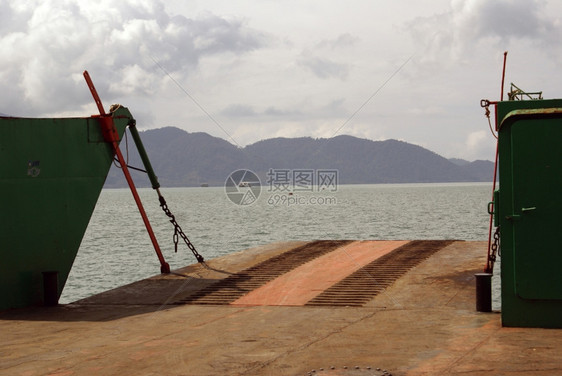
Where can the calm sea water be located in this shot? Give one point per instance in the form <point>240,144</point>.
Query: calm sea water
<point>116,249</point>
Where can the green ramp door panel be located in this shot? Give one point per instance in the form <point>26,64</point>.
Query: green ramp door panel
<point>51,174</point>
<point>537,207</point>
<point>528,208</point>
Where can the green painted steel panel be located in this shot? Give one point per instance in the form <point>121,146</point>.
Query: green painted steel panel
<point>537,183</point>
<point>51,174</point>
<point>530,185</point>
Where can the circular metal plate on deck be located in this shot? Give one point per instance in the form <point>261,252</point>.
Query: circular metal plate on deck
<point>349,371</point>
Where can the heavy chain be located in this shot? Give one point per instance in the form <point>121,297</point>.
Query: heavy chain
<point>178,231</point>
<point>495,248</point>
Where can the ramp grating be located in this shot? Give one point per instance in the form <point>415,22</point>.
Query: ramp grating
<point>235,286</point>
<point>364,284</point>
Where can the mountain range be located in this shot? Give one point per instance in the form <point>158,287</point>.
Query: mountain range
<point>182,159</point>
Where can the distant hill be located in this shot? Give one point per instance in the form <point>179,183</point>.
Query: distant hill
<point>187,159</point>
<point>459,162</point>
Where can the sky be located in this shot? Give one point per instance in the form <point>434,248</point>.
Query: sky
<point>252,70</point>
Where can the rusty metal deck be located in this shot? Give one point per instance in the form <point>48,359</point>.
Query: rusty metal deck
<point>355,288</point>
<point>363,285</point>
<point>425,323</point>
<point>227,290</point>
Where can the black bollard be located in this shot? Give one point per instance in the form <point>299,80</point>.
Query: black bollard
<point>483,292</point>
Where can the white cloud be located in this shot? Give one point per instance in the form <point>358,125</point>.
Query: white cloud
<point>282,68</point>
<point>455,33</point>
<point>324,67</point>
<point>475,139</point>
<point>117,41</point>
<point>341,41</point>
<point>477,144</point>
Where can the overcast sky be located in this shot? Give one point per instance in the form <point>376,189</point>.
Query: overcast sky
<point>251,70</point>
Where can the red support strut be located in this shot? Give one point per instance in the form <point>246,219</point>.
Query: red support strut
<point>110,135</point>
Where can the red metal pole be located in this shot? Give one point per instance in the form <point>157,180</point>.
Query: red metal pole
<point>503,73</point>
<point>164,266</point>
<point>94,93</point>
<point>110,135</point>
<point>489,266</point>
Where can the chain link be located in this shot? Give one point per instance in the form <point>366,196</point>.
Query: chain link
<point>178,232</point>
<point>495,248</point>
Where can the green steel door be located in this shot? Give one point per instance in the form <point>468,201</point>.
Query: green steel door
<point>537,207</point>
